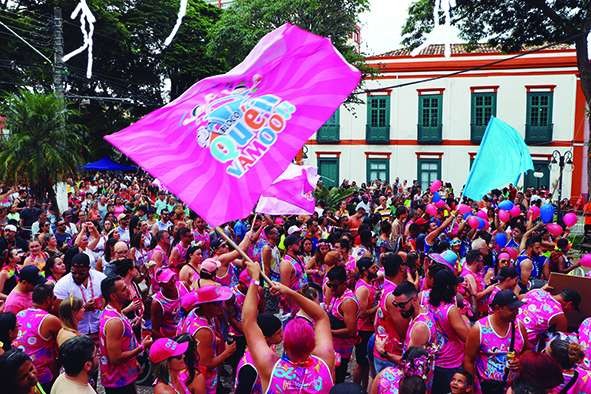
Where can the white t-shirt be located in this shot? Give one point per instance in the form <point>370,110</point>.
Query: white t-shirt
<point>64,385</point>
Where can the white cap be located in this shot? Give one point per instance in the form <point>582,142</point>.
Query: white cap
<point>293,229</point>
<point>10,227</point>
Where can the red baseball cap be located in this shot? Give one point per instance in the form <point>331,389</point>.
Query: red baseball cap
<point>164,348</point>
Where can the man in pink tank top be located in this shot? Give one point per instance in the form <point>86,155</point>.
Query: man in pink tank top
<point>495,342</point>
<point>37,334</point>
<point>119,350</point>
<point>292,271</point>
<point>166,305</point>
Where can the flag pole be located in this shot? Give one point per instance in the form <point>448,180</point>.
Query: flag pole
<point>242,253</point>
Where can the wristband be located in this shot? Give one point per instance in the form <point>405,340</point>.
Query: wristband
<point>255,282</point>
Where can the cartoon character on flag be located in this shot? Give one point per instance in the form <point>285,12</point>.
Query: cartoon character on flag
<point>224,141</point>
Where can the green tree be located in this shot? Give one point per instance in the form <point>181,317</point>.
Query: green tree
<point>45,143</point>
<point>245,22</point>
<point>513,25</point>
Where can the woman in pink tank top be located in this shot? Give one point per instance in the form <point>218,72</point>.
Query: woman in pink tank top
<point>165,309</point>
<point>569,356</point>
<point>450,327</point>
<point>307,363</point>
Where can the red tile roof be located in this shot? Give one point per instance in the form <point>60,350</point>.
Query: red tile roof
<point>459,49</point>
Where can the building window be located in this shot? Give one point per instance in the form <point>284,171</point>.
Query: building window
<point>328,169</point>
<point>378,169</point>
<point>539,178</point>
<point>378,119</point>
<point>428,170</point>
<point>330,131</point>
<point>538,127</point>
<point>430,114</point>
<point>484,105</point>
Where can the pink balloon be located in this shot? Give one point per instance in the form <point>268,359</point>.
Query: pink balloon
<point>440,204</point>
<point>464,209</point>
<point>482,214</point>
<point>554,229</point>
<point>570,219</point>
<point>431,209</point>
<point>515,211</point>
<point>585,261</point>
<point>504,216</point>
<point>435,186</point>
<point>473,222</point>
<point>534,212</point>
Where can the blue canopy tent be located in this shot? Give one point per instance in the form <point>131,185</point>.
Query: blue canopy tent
<point>106,164</point>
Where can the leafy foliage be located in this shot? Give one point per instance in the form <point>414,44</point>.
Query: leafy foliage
<point>333,196</point>
<point>39,150</point>
<point>245,22</point>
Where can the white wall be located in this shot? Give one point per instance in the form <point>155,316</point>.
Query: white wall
<point>511,107</point>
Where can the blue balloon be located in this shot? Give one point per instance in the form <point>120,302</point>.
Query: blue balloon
<point>436,197</point>
<point>547,213</point>
<point>501,240</point>
<point>482,223</point>
<point>506,205</point>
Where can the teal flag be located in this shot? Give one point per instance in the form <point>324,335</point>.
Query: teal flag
<point>501,159</point>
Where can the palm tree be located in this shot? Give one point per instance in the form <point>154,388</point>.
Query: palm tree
<point>45,145</point>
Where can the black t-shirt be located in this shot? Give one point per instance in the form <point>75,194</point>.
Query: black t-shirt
<point>246,379</point>
<point>30,216</point>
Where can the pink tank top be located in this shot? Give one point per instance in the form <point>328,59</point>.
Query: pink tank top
<point>585,341</point>
<point>170,312</point>
<point>389,382</point>
<point>535,315</point>
<point>43,352</point>
<point>299,279</point>
<point>366,323</point>
<point>343,346</point>
<point>491,297</point>
<point>581,385</point>
<point>492,356</point>
<point>204,239</point>
<point>425,319</point>
<point>385,331</point>
<point>451,353</point>
<point>310,377</point>
<point>190,325</point>
<point>246,359</point>
<point>120,375</point>
<point>226,278</point>
<point>182,252</point>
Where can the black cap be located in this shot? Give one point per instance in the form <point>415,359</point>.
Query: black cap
<point>216,243</point>
<point>446,276</point>
<point>506,298</point>
<point>30,273</point>
<point>572,296</point>
<point>81,259</point>
<point>506,272</point>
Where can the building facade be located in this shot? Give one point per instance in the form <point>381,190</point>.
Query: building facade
<point>432,130</point>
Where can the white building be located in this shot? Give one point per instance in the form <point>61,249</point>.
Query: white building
<point>432,129</point>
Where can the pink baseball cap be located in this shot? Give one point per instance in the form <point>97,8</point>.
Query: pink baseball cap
<point>164,348</point>
<point>164,275</point>
<point>210,265</point>
<point>204,295</point>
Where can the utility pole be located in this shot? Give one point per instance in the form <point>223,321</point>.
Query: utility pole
<point>58,53</point>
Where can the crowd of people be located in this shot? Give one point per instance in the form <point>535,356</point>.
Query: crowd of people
<point>380,294</point>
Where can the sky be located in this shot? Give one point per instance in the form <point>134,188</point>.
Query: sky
<point>382,24</point>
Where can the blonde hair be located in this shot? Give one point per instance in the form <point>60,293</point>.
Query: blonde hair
<point>67,309</point>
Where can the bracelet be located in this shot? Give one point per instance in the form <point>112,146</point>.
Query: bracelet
<point>255,282</point>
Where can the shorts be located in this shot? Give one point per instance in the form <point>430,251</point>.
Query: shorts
<point>361,351</point>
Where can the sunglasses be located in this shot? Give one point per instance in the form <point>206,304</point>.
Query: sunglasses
<point>401,305</point>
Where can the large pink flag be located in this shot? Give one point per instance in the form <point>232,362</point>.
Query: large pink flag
<point>224,141</point>
<point>291,192</point>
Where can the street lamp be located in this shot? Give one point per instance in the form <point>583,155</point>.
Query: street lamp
<point>562,160</point>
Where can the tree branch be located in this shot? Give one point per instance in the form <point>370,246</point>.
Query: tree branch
<point>555,17</point>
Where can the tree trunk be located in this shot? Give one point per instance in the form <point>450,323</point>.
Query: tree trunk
<point>584,66</point>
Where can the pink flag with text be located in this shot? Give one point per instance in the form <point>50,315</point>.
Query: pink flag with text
<point>290,193</point>
<point>224,141</point>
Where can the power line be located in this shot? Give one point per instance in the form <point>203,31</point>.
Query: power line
<point>26,42</point>
<point>476,68</point>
